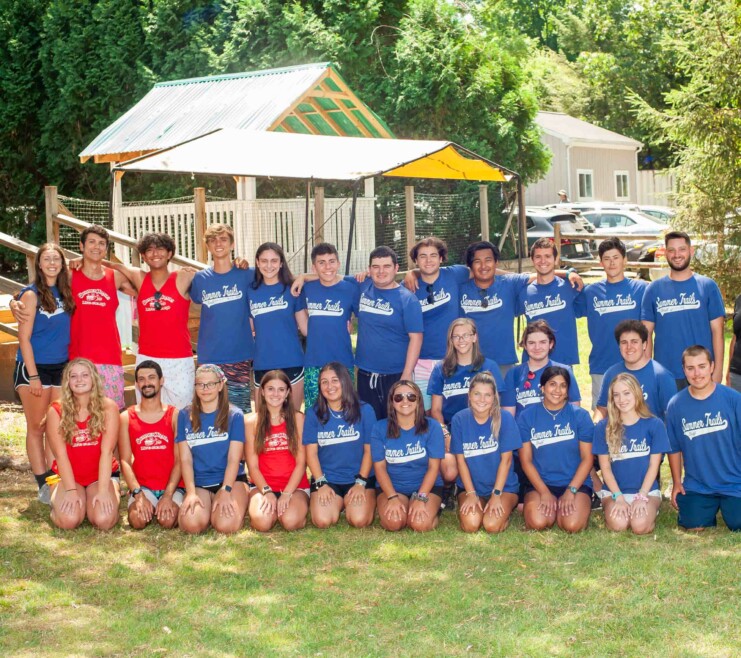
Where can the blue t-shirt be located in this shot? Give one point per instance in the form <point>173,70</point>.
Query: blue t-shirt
<point>330,309</point>
<point>483,452</point>
<point>554,302</point>
<point>708,434</point>
<point>556,442</point>
<point>385,320</point>
<point>640,440</point>
<point>520,392</point>
<point>495,317</point>
<point>51,331</point>
<point>681,312</point>
<point>408,456</point>
<point>340,443</point>
<point>438,315</point>
<point>606,304</point>
<point>454,389</point>
<point>224,335</point>
<point>657,383</point>
<point>209,447</point>
<point>273,310</point>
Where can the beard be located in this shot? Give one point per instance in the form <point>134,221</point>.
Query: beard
<point>681,267</point>
<point>149,392</point>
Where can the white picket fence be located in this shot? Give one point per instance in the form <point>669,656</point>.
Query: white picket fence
<point>257,221</point>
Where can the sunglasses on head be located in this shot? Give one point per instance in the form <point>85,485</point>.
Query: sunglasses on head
<point>399,397</point>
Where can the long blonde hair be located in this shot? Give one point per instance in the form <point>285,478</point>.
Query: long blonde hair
<point>287,409</point>
<point>71,406</point>
<point>615,430</point>
<point>450,361</point>
<point>487,379</point>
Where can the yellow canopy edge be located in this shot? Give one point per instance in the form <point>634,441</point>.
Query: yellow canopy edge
<point>448,163</point>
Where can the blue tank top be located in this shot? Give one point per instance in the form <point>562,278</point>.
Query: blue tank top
<point>51,331</point>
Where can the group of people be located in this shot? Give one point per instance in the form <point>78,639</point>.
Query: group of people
<point>433,408</point>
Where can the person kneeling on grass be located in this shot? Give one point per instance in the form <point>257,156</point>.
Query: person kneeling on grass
<point>146,446</point>
<point>556,457</point>
<point>276,458</point>
<point>210,442</point>
<point>407,448</point>
<point>630,444</point>
<point>336,437</point>
<point>82,428</point>
<point>483,439</point>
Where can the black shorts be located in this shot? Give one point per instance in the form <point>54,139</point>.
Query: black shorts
<point>214,488</point>
<point>343,489</point>
<point>294,374</point>
<point>559,491</point>
<point>50,374</point>
<point>438,491</point>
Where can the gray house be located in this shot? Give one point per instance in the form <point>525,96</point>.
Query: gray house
<point>589,162</point>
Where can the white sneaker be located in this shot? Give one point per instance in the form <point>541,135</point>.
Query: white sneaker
<point>45,494</point>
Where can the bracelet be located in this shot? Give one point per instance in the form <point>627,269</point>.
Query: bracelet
<point>34,377</point>
<point>320,481</point>
<point>641,496</point>
<point>421,496</point>
<point>392,497</point>
<point>471,493</point>
<point>68,490</point>
<point>359,479</point>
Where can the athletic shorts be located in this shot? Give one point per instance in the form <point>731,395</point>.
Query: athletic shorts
<point>698,510</point>
<point>153,496</point>
<point>179,377</point>
<point>422,372</point>
<point>278,494</point>
<point>437,491</point>
<point>294,374</point>
<point>605,493</point>
<point>559,491</point>
<point>50,374</point>
<point>214,488</point>
<point>113,382</point>
<point>343,489</point>
<point>311,384</point>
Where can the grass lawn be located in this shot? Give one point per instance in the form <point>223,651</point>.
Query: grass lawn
<point>344,592</point>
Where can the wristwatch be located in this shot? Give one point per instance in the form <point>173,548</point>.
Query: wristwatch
<point>136,491</point>
<point>359,479</point>
<point>573,490</point>
<point>266,490</point>
<point>496,492</point>
<point>227,488</point>
<point>616,495</point>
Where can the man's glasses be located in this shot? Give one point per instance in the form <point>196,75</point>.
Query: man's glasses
<point>484,298</point>
<point>430,295</point>
<point>206,386</point>
<point>399,397</point>
<point>157,296</point>
<point>528,382</point>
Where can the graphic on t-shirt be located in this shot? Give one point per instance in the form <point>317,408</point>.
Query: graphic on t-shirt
<point>57,311</point>
<point>550,304</point>
<point>456,388</point>
<point>440,299</point>
<point>377,306</point>
<point>165,303</point>
<point>412,452</point>
<point>616,305</point>
<point>634,448</point>
<point>482,446</point>
<point>273,304</point>
<point>548,437</point>
<point>710,425</point>
<point>226,294</point>
<point>94,297</point>
<point>81,438</point>
<point>204,437</point>
<point>686,302</point>
<point>329,308</point>
<point>276,442</point>
<point>342,435</point>
<point>476,304</point>
<point>152,441</point>
<point>529,396</point>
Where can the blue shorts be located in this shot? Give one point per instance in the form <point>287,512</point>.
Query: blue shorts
<point>698,510</point>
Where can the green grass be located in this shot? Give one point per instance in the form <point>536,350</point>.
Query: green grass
<point>344,592</point>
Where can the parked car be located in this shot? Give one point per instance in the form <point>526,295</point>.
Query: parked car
<point>662,213</point>
<point>624,222</point>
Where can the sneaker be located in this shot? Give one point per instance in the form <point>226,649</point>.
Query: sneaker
<point>45,494</point>
<point>596,502</point>
<point>448,498</point>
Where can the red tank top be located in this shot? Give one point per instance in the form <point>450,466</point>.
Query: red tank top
<point>153,449</point>
<point>163,332</point>
<point>83,453</point>
<point>94,334</point>
<point>276,461</point>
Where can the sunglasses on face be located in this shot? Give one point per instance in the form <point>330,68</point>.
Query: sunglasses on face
<point>399,397</point>
<point>157,296</point>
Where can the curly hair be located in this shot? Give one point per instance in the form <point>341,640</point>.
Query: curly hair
<point>70,405</point>
<point>615,431</point>
<point>46,298</point>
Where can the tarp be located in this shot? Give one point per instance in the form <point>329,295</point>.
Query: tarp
<point>288,155</point>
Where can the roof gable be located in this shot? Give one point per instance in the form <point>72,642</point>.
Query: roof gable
<point>575,131</point>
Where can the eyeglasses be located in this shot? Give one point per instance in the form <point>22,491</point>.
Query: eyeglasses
<point>399,397</point>
<point>530,376</point>
<point>206,386</point>
<point>461,337</point>
<point>430,295</point>
<point>157,297</point>
<point>484,298</point>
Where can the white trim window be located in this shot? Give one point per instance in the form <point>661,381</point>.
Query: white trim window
<point>622,186</point>
<point>585,179</point>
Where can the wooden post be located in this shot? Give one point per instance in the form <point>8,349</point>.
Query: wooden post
<point>30,268</point>
<point>557,239</point>
<point>411,235</point>
<point>199,198</point>
<point>522,226</point>
<point>52,208</point>
<point>484,211</point>
<point>318,215</point>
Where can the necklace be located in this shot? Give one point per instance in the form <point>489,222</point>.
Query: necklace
<point>339,415</point>
<point>276,421</point>
<point>550,413</point>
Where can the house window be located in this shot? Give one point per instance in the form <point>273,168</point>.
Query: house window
<point>622,192</point>
<point>585,176</point>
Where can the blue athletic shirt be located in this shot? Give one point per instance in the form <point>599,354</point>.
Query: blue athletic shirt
<point>330,308</point>
<point>556,442</point>
<point>681,312</point>
<point>554,302</point>
<point>483,452</point>
<point>340,443</point>
<point>606,304</point>
<point>708,434</point>
<point>273,310</point>
<point>225,334</point>
<point>408,456</point>
<point>495,323</point>
<point>385,320</point>
<point>657,383</point>
<point>210,448</point>
<point>454,390</point>
<point>520,395</point>
<point>438,315</point>
<point>641,440</point>
<point>51,331</point>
